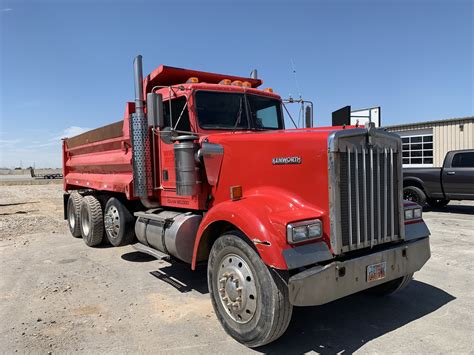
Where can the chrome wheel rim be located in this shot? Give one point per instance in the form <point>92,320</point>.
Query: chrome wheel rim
<point>85,221</point>
<point>112,222</point>
<point>236,288</point>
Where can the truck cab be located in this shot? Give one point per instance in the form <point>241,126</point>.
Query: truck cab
<point>201,169</point>
<point>198,105</point>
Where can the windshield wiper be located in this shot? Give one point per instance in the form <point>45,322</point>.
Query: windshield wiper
<point>239,116</point>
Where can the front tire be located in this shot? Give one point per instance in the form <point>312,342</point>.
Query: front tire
<point>250,300</point>
<point>414,194</point>
<point>92,224</point>
<point>118,223</point>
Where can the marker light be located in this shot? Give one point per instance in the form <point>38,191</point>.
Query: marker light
<point>225,82</point>
<point>237,83</point>
<point>236,192</point>
<point>268,90</point>
<point>247,84</point>
<point>192,79</point>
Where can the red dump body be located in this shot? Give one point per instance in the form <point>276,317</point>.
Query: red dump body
<point>100,159</point>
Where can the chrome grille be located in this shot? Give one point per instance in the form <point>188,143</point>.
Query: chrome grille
<point>365,188</point>
<point>368,185</point>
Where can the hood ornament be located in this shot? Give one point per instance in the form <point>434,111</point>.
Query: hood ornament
<point>371,131</point>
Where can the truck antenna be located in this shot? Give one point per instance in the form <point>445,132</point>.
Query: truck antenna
<point>293,67</point>
<point>300,113</point>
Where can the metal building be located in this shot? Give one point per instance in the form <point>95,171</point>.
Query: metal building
<point>426,143</point>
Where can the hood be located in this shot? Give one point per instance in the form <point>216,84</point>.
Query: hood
<point>293,162</point>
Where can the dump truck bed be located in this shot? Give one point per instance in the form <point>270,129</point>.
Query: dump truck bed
<point>100,159</point>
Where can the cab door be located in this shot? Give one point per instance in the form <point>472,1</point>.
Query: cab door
<point>178,110</point>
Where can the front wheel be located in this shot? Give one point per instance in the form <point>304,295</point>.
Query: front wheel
<point>250,300</point>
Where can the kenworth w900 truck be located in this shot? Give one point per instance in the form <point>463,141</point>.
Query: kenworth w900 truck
<point>202,169</point>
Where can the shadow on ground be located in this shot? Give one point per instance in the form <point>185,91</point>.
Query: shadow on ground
<point>181,277</point>
<point>17,203</point>
<point>177,274</point>
<point>349,323</point>
<point>462,209</point>
<point>17,212</point>
<point>138,257</point>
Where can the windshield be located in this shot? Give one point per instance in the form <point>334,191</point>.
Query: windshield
<point>219,110</point>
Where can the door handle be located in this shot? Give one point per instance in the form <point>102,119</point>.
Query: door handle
<point>451,173</point>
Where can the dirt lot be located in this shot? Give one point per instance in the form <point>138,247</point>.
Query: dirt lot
<point>57,295</point>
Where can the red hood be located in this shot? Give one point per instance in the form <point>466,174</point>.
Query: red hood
<point>292,164</point>
<point>295,160</point>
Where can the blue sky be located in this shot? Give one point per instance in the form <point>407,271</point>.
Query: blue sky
<point>67,65</point>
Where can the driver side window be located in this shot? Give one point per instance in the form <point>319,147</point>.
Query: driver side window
<point>177,106</point>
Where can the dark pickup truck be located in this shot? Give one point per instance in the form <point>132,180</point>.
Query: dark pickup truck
<point>437,186</point>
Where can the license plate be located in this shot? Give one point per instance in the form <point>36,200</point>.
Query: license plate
<point>376,271</point>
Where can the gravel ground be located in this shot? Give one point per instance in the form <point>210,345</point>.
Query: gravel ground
<point>30,209</point>
<point>59,296</point>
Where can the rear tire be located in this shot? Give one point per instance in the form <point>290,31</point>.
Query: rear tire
<point>74,214</point>
<point>118,223</point>
<point>92,224</point>
<point>391,287</point>
<point>250,300</point>
<point>414,194</point>
<point>437,203</point>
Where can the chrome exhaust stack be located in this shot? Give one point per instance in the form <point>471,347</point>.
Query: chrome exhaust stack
<point>138,77</point>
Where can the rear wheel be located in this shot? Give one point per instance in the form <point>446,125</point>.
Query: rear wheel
<point>437,203</point>
<point>414,194</point>
<point>92,224</point>
<point>74,214</point>
<point>391,287</point>
<point>118,223</point>
<point>250,300</point>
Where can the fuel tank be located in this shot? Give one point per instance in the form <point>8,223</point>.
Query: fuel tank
<point>170,232</point>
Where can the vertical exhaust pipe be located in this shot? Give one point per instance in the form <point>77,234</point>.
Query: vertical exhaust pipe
<point>139,136</point>
<point>138,77</point>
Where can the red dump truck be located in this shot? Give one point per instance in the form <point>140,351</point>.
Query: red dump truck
<point>202,169</point>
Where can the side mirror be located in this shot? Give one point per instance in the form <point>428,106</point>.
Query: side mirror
<point>309,116</point>
<point>154,109</point>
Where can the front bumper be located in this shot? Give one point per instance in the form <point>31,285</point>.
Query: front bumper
<point>323,284</point>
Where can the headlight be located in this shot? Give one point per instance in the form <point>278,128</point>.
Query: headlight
<point>417,213</point>
<point>301,231</point>
<point>412,213</point>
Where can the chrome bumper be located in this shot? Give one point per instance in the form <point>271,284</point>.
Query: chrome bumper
<point>323,284</point>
